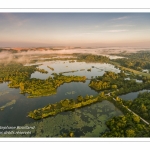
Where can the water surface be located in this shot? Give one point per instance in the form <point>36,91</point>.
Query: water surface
<point>132,95</point>
<point>88,121</point>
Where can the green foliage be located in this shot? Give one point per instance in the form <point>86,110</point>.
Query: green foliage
<point>80,98</point>
<point>41,70</point>
<point>63,105</point>
<point>136,119</point>
<point>92,58</point>
<point>109,80</point>
<point>15,72</point>
<point>84,122</point>
<point>114,86</point>
<point>117,83</point>
<point>127,126</point>
<point>50,68</point>
<point>19,77</point>
<point>137,61</point>
<point>89,69</point>
<point>130,133</point>
<point>141,105</point>
<point>102,94</point>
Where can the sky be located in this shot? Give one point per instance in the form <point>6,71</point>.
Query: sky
<point>74,29</point>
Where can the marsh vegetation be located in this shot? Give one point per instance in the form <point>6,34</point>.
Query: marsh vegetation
<point>106,78</point>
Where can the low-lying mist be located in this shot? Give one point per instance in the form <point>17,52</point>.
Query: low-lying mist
<point>7,56</point>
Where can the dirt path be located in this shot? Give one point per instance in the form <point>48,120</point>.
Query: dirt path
<point>134,113</point>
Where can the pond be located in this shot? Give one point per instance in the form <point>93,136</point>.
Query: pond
<point>85,122</point>
<point>132,95</point>
<point>88,121</point>
<point>23,104</point>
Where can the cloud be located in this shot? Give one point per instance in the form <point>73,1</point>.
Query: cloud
<point>83,34</point>
<point>88,33</point>
<point>7,57</point>
<point>22,22</point>
<point>120,18</point>
<point>14,19</point>
<point>96,26</point>
<point>124,25</point>
<point>104,31</point>
<point>115,31</point>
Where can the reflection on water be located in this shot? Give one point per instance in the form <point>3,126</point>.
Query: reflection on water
<point>64,66</point>
<point>8,104</point>
<point>23,104</point>
<point>86,121</point>
<point>89,121</point>
<point>133,95</point>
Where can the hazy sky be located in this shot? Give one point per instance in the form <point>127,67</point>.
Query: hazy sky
<point>74,29</point>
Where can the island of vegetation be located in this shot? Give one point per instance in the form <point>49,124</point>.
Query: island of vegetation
<point>50,68</point>
<point>38,87</point>
<point>92,58</point>
<point>16,71</point>
<point>89,69</point>
<point>19,77</point>
<point>69,71</point>
<point>117,84</point>
<point>64,105</point>
<point>41,70</point>
<point>109,86</point>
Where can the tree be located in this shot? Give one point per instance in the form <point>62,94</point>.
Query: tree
<point>114,86</point>
<point>102,94</point>
<point>130,133</point>
<point>136,119</point>
<point>65,103</point>
<point>71,134</point>
<point>80,98</point>
<point>21,86</point>
<point>86,97</point>
<point>143,108</point>
<point>91,96</point>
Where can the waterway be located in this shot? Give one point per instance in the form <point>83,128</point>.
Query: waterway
<point>132,95</point>
<point>88,121</point>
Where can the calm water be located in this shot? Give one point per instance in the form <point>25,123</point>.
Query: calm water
<point>79,67</point>
<point>133,95</point>
<point>88,121</point>
<point>15,114</point>
<point>24,105</point>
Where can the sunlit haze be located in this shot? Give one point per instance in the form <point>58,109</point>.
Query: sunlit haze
<point>74,29</point>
